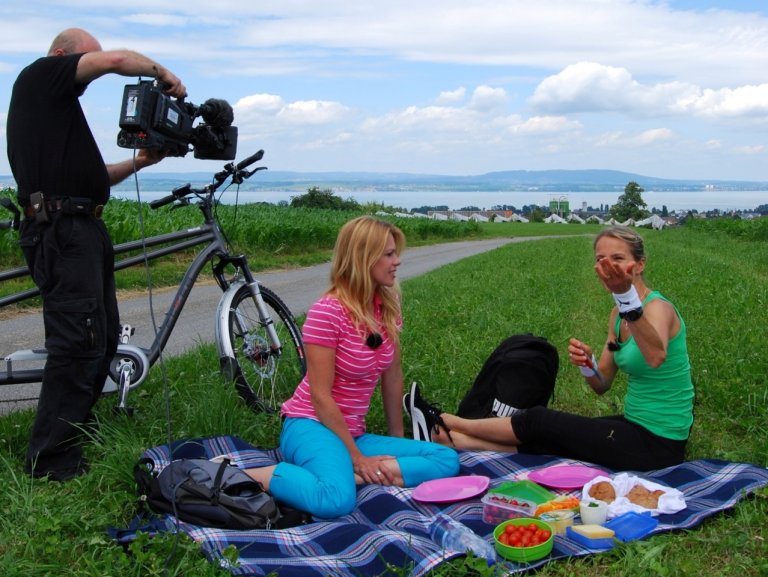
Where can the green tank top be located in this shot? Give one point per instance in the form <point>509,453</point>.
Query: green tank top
<point>660,399</point>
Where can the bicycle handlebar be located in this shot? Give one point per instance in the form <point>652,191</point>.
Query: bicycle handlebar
<point>177,194</point>
<point>236,171</point>
<point>250,160</point>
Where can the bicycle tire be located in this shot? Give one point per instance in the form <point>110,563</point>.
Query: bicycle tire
<point>264,379</point>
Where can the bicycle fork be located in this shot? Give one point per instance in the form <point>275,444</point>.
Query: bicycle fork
<point>256,351</point>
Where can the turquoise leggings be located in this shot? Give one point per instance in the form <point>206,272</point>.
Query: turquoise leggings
<point>316,474</point>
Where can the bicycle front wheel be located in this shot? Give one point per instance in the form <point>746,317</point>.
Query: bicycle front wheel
<point>264,376</point>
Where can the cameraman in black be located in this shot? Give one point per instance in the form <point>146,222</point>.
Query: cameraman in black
<point>63,185</point>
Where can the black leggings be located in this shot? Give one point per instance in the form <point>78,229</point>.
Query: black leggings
<point>613,441</point>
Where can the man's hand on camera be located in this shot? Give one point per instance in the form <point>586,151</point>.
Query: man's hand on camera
<point>173,86</point>
<point>149,156</point>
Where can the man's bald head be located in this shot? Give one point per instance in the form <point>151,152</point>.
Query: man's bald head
<point>73,41</point>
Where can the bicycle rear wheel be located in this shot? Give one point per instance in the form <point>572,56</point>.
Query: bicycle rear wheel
<point>264,377</point>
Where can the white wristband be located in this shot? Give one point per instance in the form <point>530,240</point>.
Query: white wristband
<point>628,301</point>
<point>588,371</point>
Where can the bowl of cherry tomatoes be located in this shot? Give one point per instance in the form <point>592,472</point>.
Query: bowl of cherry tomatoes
<point>523,539</point>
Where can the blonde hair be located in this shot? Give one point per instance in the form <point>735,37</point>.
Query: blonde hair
<point>359,245</point>
<point>626,234</point>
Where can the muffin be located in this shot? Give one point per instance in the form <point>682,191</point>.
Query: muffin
<point>603,491</point>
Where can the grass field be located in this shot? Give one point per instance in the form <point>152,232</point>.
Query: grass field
<point>454,317</point>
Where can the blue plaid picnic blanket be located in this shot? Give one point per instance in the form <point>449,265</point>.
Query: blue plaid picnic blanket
<point>389,530</point>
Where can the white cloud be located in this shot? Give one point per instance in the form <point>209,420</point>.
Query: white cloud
<point>256,105</point>
<point>742,101</point>
<point>653,136</point>
<point>593,87</point>
<point>156,19</point>
<point>452,96</point>
<point>541,125</point>
<point>420,119</point>
<point>269,117</point>
<point>320,144</point>
<point>749,150</point>
<point>619,139</point>
<point>312,112</point>
<point>647,37</point>
<point>486,98</point>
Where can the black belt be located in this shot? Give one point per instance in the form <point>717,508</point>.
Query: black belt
<point>68,206</point>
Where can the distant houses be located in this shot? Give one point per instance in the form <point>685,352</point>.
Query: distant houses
<point>654,221</point>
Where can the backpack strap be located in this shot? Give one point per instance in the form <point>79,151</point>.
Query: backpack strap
<point>216,489</point>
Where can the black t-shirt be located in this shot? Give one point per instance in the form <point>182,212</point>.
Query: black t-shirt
<point>50,145</point>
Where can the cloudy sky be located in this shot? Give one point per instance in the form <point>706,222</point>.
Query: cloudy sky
<point>673,89</point>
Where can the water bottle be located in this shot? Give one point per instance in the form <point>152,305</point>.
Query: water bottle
<point>456,536</point>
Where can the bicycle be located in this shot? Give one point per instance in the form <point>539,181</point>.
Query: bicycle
<point>258,341</point>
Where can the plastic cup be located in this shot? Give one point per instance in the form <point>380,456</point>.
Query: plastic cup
<point>593,512</point>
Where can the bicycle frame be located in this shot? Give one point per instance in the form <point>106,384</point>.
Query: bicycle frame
<point>131,365</point>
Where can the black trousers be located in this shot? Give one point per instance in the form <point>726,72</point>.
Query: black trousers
<point>71,260</point>
<point>610,441</point>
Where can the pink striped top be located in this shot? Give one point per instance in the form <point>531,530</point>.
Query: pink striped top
<point>358,367</point>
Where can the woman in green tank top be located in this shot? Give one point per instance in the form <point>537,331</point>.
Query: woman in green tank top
<point>646,340</point>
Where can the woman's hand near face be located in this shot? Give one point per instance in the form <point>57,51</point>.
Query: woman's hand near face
<point>616,277</point>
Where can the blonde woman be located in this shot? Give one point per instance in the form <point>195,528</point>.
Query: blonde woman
<point>351,338</point>
<point>646,340</point>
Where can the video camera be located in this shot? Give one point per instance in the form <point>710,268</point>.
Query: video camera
<point>149,118</point>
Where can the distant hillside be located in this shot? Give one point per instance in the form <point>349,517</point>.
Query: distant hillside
<point>509,180</point>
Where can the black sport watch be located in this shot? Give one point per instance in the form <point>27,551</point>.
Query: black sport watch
<point>632,315</point>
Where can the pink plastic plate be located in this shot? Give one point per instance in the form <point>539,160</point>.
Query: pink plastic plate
<point>451,489</point>
<point>565,476</point>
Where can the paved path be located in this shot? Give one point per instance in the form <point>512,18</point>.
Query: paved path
<point>297,288</point>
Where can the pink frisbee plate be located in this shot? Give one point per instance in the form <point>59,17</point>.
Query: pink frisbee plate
<point>451,489</point>
<point>565,476</point>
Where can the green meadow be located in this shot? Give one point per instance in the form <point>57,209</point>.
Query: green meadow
<point>716,274</point>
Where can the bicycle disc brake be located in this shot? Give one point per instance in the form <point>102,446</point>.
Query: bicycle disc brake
<point>257,349</point>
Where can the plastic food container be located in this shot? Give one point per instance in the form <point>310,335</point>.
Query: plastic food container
<point>593,512</point>
<point>513,500</point>
<point>596,543</point>
<point>523,554</point>
<point>558,520</point>
<point>631,525</point>
<point>498,508</point>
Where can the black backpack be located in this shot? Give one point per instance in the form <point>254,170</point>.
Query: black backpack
<point>519,374</point>
<point>211,494</point>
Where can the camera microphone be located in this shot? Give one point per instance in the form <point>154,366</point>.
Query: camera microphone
<point>217,112</point>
